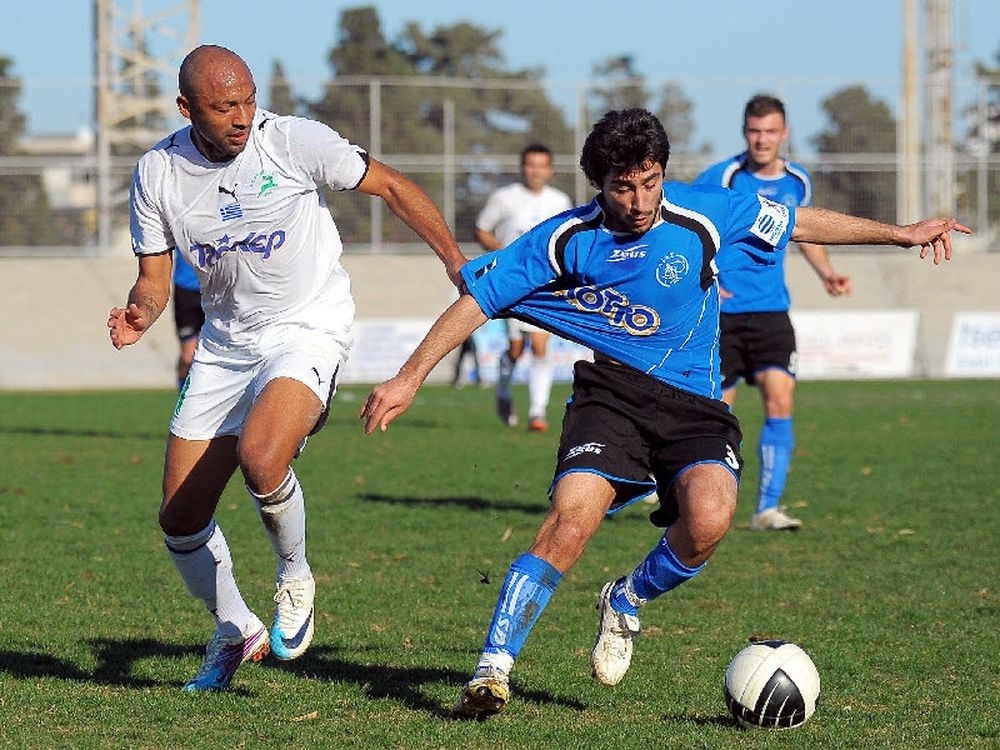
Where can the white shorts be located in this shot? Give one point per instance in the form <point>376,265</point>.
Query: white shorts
<point>518,328</point>
<point>220,390</point>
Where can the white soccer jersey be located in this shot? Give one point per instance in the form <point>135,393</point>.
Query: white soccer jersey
<point>512,210</point>
<point>255,228</point>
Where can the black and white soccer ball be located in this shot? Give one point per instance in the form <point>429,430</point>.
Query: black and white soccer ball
<point>772,684</point>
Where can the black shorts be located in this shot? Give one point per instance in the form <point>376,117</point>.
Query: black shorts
<point>188,315</point>
<point>641,434</point>
<point>753,342</point>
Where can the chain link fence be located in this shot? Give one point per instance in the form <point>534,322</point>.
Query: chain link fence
<point>460,139</point>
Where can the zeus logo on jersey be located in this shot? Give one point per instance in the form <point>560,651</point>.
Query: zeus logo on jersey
<point>771,221</point>
<point>628,253</point>
<point>638,320</point>
<point>255,242</point>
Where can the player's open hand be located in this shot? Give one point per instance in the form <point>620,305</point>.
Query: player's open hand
<point>933,236</point>
<point>127,325</point>
<point>385,403</point>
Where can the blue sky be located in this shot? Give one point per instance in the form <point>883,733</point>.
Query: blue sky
<point>721,51</point>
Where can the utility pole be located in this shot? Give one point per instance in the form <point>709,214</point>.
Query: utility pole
<point>909,200</point>
<point>134,52</point>
<point>940,183</point>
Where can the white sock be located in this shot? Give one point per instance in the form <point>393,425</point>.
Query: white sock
<point>283,512</point>
<point>206,567</point>
<point>539,387</point>
<point>503,661</point>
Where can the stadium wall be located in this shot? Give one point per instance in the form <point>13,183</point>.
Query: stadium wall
<point>53,310</point>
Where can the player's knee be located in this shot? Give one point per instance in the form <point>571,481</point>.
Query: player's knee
<point>174,522</point>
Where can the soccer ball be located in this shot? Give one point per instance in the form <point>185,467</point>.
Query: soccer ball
<point>771,684</point>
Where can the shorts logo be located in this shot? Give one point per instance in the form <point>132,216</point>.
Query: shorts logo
<point>793,362</point>
<point>731,459</point>
<point>579,450</point>
<point>254,242</point>
<point>672,269</point>
<point>628,253</point>
<point>638,320</point>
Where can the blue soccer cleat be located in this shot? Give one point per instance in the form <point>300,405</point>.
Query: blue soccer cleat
<point>223,657</point>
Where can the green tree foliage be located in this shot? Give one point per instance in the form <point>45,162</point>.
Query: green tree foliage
<point>858,124</point>
<point>24,204</point>
<point>421,76</point>
<point>982,141</point>
<point>617,85</point>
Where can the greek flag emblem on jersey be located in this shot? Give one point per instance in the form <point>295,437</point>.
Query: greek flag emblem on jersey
<point>232,211</point>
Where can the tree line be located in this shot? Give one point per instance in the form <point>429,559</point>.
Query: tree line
<point>495,110</point>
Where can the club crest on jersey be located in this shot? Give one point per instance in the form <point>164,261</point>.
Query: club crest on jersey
<point>638,320</point>
<point>255,242</point>
<point>672,269</point>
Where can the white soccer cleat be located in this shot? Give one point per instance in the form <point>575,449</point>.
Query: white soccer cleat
<point>774,519</point>
<point>292,630</point>
<point>223,657</point>
<point>612,652</point>
<point>484,695</point>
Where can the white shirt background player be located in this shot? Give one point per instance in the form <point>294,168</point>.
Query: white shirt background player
<point>510,211</point>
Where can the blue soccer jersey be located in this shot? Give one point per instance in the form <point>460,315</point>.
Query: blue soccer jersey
<point>760,288</point>
<point>650,301</point>
<point>184,274</point>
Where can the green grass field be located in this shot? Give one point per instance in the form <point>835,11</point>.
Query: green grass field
<point>893,584</point>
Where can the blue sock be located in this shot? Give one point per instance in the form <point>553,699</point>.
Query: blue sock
<point>777,441</point>
<point>660,572</point>
<point>524,594</point>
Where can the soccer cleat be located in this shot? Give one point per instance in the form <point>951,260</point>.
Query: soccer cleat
<point>484,695</point>
<point>505,410</point>
<point>774,519</point>
<point>292,630</point>
<point>612,652</point>
<point>223,657</point>
<point>537,424</point>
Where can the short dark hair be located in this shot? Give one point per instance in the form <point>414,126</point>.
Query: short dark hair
<point>622,141</point>
<point>761,105</point>
<point>535,148</point>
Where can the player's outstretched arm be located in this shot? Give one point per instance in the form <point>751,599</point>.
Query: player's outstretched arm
<point>820,225</point>
<point>146,301</point>
<point>410,203</point>
<point>393,397</point>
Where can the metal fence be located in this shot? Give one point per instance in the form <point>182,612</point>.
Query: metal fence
<point>460,139</point>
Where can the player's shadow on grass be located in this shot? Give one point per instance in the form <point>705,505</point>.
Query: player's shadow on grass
<point>115,662</point>
<point>722,720</point>
<point>469,502</point>
<point>401,684</point>
<point>76,432</point>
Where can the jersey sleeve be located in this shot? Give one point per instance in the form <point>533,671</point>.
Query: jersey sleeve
<point>324,155</point>
<point>151,235</point>
<point>502,278</point>
<point>757,227</point>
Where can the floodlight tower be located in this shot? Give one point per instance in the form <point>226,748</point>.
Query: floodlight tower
<point>940,184</point>
<point>134,51</point>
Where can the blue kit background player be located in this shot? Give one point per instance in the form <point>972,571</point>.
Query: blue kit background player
<point>632,276</point>
<point>758,341</point>
<point>188,315</point>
